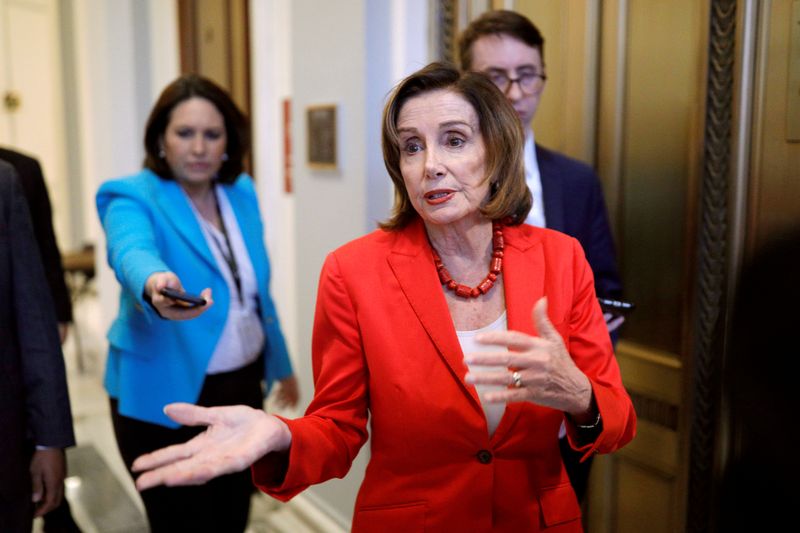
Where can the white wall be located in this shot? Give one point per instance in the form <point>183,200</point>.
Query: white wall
<point>349,53</point>
<point>270,53</point>
<point>328,67</point>
<point>124,53</point>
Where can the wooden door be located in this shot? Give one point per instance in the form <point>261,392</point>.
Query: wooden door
<point>625,94</point>
<point>214,42</point>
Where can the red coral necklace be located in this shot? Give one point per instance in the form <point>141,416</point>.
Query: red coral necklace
<point>495,268</point>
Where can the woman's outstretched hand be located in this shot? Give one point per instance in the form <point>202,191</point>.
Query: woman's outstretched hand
<point>168,307</point>
<point>236,437</point>
<point>545,373</point>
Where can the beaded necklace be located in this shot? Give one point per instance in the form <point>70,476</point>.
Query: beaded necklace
<point>495,268</point>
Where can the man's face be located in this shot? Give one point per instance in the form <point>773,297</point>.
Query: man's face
<point>503,55</point>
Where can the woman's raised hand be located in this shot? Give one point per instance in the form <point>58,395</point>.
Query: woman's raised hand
<point>237,436</point>
<point>169,307</point>
<point>540,368</point>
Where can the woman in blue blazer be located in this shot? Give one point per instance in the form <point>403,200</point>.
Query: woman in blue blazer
<point>190,219</point>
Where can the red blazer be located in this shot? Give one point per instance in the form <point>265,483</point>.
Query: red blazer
<point>384,346</point>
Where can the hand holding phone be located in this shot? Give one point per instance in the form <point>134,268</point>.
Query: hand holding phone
<point>617,307</point>
<point>614,312</point>
<point>183,299</point>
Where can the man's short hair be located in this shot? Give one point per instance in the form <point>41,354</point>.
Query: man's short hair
<point>498,22</point>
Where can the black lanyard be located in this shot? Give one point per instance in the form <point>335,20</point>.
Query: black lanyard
<point>230,257</point>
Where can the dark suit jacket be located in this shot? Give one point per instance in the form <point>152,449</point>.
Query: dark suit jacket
<point>574,204</point>
<point>31,178</point>
<point>34,403</point>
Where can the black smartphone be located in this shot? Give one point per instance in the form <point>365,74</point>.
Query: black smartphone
<point>183,298</point>
<point>619,307</point>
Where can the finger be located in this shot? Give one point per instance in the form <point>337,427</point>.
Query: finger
<point>192,471</point>
<point>520,359</point>
<point>37,487</point>
<point>514,340</point>
<point>167,279</point>
<point>615,323</point>
<point>170,475</point>
<point>171,280</point>
<point>148,480</point>
<point>489,358</point>
<point>206,294</point>
<point>161,457</point>
<point>489,378</point>
<point>188,414</point>
<point>542,322</point>
<point>49,502</point>
<point>507,395</point>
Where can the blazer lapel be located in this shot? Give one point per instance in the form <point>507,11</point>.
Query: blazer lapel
<point>174,206</point>
<point>523,275</point>
<point>249,225</point>
<point>552,192</point>
<point>412,264</point>
<point>523,278</point>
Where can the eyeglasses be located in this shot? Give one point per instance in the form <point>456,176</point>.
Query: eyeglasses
<point>529,82</point>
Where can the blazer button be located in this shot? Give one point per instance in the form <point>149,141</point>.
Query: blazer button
<point>484,457</point>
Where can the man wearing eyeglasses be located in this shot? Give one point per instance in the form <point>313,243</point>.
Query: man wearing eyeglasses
<point>567,195</point>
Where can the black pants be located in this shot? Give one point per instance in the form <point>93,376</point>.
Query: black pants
<point>222,504</point>
<point>578,472</point>
<point>60,520</point>
<point>16,514</point>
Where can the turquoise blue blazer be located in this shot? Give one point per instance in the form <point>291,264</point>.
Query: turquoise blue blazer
<point>150,227</point>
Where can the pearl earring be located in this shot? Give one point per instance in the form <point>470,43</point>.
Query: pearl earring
<point>162,154</point>
<point>225,157</point>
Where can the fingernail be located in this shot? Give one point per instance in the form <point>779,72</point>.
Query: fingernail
<point>468,377</point>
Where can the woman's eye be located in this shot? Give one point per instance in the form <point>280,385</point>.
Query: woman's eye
<point>455,142</point>
<point>213,135</point>
<point>184,134</point>
<point>412,148</point>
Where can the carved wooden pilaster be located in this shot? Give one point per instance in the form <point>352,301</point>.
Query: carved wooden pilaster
<point>446,14</point>
<point>712,267</point>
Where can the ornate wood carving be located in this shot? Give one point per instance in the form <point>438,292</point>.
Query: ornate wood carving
<point>712,266</point>
<point>655,410</point>
<point>446,14</point>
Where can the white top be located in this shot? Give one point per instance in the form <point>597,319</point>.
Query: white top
<point>242,338</point>
<point>493,411</point>
<point>534,180</point>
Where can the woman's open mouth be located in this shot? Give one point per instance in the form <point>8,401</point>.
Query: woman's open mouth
<point>438,196</point>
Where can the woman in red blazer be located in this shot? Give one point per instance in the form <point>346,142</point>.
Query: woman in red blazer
<point>467,337</point>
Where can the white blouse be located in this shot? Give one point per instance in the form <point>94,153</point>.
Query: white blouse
<point>242,338</point>
<point>493,411</point>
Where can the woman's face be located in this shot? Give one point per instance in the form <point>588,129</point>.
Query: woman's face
<point>442,157</point>
<point>194,141</point>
